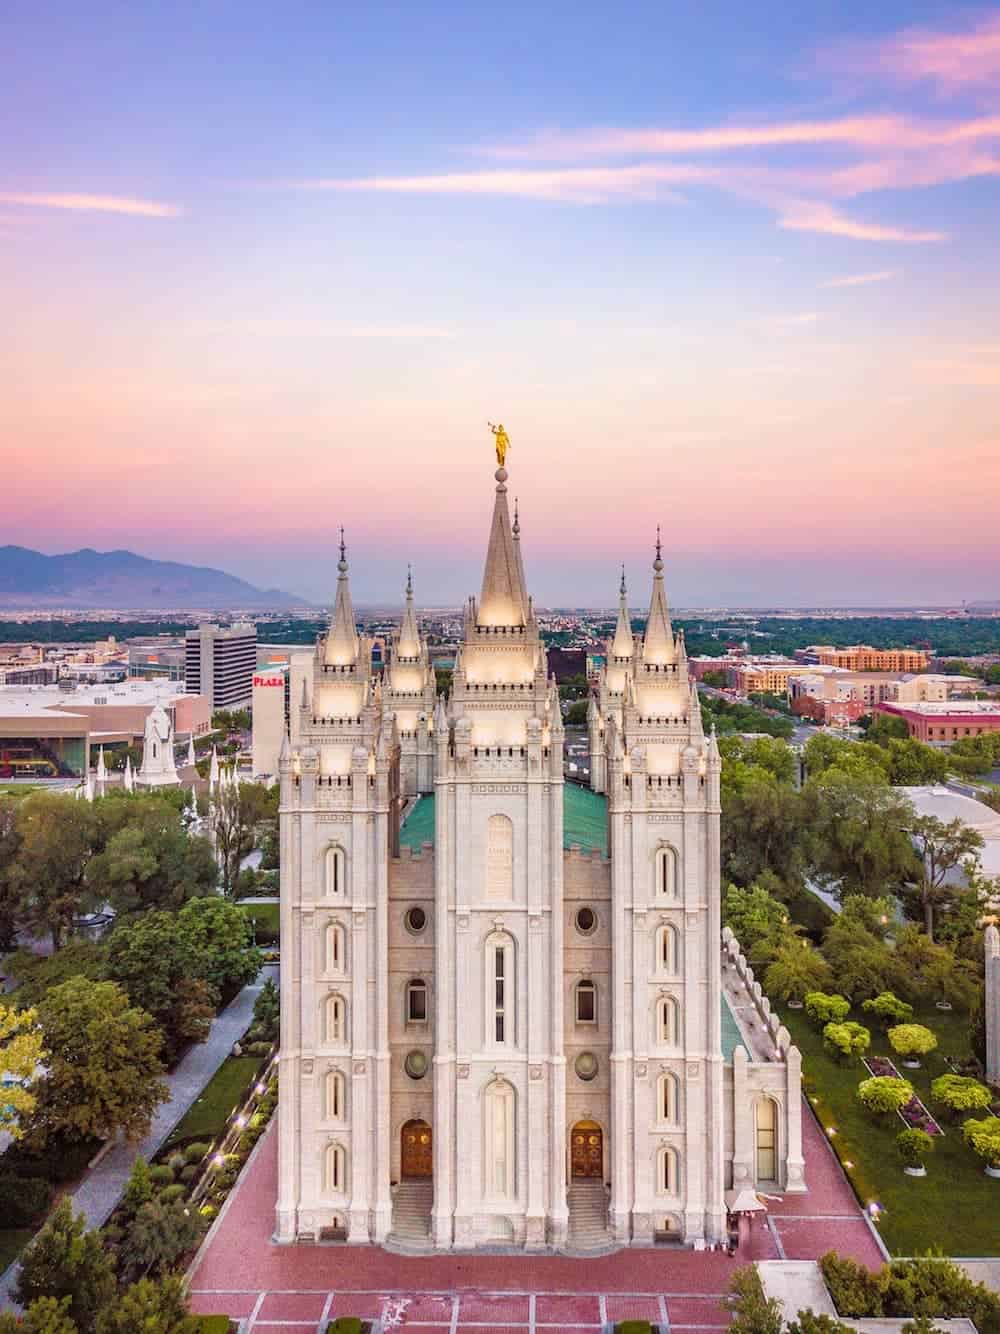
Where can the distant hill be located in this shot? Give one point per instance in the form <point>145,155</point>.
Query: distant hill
<point>121,579</point>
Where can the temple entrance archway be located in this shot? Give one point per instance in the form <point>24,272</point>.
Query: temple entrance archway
<point>416,1152</point>
<point>586,1152</point>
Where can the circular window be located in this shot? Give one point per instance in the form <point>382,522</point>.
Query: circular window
<point>415,1064</point>
<point>586,921</point>
<point>415,920</point>
<point>585,1066</point>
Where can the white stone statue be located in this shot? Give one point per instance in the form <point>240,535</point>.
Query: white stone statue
<point>158,769</point>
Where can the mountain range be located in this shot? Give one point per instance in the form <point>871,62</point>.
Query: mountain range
<point>121,579</point>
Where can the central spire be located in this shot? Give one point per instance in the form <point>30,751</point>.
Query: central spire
<point>658,642</point>
<point>408,644</point>
<point>342,636</point>
<point>622,645</point>
<point>504,598</point>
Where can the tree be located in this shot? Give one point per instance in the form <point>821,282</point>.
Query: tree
<point>576,714</point>
<point>57,840</point>
<point>103,1070</point>
<point>797,969</point>
<point>45,1315</point>
<point>807,1322</point>
<point>913,1146</point>
<point>825,1009</point>
<point>762,828</point>
<point>238,811</point>
<point>138,1189</point>
<point>753,915</point>
<point>983,1137</point>
<point>150,862</point>
<point>884,1093</point>
<point>21,1052</point>
<point>862,962</point>
<point>753,1312</point>
<point>164,973</point>
<point>943,850</point>
<point>719,680</point>
<point>848,1040</point>
<point>67,1261</point>
<point>857,833</point>
<point>888,1009</point>
<point>161,1232</point>
<point>884,727</point>
<point>10,897</point>
<point>218,935</point>
<point>912,1040</point>
<point>152,1307</point>
<point>961,1093</point>
<point>910,763</point>
<point>37,974</point>
<point>267,1011</point>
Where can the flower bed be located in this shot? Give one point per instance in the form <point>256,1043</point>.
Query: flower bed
<point>914,1114</point>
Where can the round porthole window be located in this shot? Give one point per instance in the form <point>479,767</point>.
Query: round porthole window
<point>585,1066</point>
<point>415,1064</point>
<point>416,920</point>
<point>586,921</point>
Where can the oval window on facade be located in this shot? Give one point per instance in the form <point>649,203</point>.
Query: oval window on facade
<point>415,1064</point>
<point>585,1066</point>
<point>586,921</point>
<point>415,920</point>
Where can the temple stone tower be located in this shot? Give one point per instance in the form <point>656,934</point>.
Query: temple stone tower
<point>409,693</point>
<point>157,768</point>
<point>608,702</point>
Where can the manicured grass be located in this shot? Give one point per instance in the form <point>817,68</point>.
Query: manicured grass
<point>12,1242</point>
<point>208,1114</point>
<point>955,1207</point>
<point>268,917</point>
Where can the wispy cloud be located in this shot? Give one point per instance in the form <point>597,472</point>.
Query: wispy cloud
<point>581,185</point>
<point>74,203</point>
<point>861,279</point>
<point>952,62</point>
<point>809,217</point>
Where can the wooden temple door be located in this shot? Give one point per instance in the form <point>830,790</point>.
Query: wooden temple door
<point>417,1150</point>
<point>587,1151</point>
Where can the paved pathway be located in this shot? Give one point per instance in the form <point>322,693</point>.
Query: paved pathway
<point>98,1194</point>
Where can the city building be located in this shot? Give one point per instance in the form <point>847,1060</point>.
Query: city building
<point>270,710</point>
<point>760,675</point>
<point>864,658</point>
<point>942,724</point>
<point>490,1037</point>
<point>157,657</point>
<point>698,666</point>
<point>220,663</point>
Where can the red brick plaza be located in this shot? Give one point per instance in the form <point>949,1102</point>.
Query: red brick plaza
<point>290,1290</point>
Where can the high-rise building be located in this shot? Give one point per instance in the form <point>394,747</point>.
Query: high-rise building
<point>490,1037</point>
<point>220,663</point>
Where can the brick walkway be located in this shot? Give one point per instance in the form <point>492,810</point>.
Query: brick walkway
<point>291,1289</point>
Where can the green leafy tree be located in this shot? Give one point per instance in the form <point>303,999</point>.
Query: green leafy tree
<point>45,1315</point>
<point>159,1235</point>
<point>21,1052</point>
<point>57,839</point>
<point>863,762</point>
<point>138,1189</point>
<point>825,1009</point>
<point>10,895</point>
<point>762,829</point>
<point>888,1009</point>
<point>37,974</point>
<point>884,727</point>
<point>753,1312</point>
<point>883,1094</point>
<point>238,812</point>
<point>150,862</point>
<point>912,1040</point>
<point>267,1011</point>
<point>67,1261</point>
<point>576,714</point>
<point>808,1322</point>
<point>796,970</point>
<point>753,915</point>
<point>942,850</point>
<point>911,763</point>
<point>103,1069</point>
<point>913,1146</point>
<point>218,935</point>
<point>961,1093</point>
<point>983,1137</point>
<point>848,1040</point>
<point>862,962</point>
<point>857,833</point>
<point>150,1307</point>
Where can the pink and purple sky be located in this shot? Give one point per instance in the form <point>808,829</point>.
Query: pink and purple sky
<point>733,269</point>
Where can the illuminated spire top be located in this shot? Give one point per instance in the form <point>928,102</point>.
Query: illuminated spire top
<point>622,645</point>
<point>658,641</point>
<point>342,636</point>
<point>504,598</point>
<point>408,644</point>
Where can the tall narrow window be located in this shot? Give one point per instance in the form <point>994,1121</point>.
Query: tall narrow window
<point>586,1002</point>
<point>335,951</point>
<point>667,1098</point>
<point>336,1102</point>
<point>336,1169</point>
<point>669,1175</point>
<point>666,949</point>
<point>666,873</point>
<point>500,990</point>
<point>333,871</point>
<point>767,1140</point>
<point>500,858</point>
<point>499,1139</point>
<point>416,1001</point>
<point>667,1026</point>
<point>336,1019</point>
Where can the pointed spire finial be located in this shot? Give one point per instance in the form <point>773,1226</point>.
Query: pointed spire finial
<point>342,566</point>
<point>409,580</point>
<point>621,588</point>
<point>517,519</point>
<point>658,563</point>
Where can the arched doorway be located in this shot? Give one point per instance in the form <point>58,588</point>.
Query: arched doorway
<point>416,1155</point>
<point>586,1151</point>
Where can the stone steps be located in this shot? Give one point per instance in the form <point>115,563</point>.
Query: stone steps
<point>588,1218</point>
<point>411,1212</point>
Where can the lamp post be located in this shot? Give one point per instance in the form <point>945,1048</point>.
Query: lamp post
<point>253,931</point>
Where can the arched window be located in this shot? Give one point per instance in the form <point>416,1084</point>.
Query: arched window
<point>416,1001</point>
<point>766,1115</point>
<point>499,1140</point>
<point>335,953</point>
<point>336,1169</point>
<point>501,990</point>
<point>335,1096</point>
<point>586,1002</point>
<point>667,1021</point>
<point>666,872</point>
<point>668,1176</point>
<point>500,858</point>
<point>667,953</point>
<point>334,882</point>
<point>668,1098</point>
<point>335,1019</point>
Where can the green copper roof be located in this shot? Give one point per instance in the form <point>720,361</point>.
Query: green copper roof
<point>731,1037</point>
<point>585,820</point>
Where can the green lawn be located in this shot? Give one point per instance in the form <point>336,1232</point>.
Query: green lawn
<point>955,1207</point>
<point>12,1242</point>
<point>207,1116</point>
<point>268,918</point>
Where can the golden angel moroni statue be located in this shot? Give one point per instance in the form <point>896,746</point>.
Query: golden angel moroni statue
<point>502,441</point>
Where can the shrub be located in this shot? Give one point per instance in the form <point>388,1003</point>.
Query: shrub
<point>196,1151</point>
<point>913,1147</point>
<point>633,1327</point>
<point>190,1172</point>
<point>213,1324</point>
<point>884,1093</point>
<point>983,1137</point>
<point>823,1009</point>
<point>754,1312</point>
<point>856,1291</point>
<point>808,1322</point>
<point>912,1040</point>
<point>175,1162</point>
<point>349,1324</point>
<point>935,1289</point>
<point>208,1212</point>
<point>23,1201</point>
<point>257,1048</point>
<point>888,1009</point>
<point>848,1040</point>
<point>161,1174</point>
<point>174,1192</point>
<point>959,1093</point>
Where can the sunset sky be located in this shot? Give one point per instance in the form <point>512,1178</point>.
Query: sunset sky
<point>732,268</point>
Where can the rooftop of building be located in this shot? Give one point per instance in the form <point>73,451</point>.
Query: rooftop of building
<point>962,708</point>
<point>40,701</point>
<point>585,821</point>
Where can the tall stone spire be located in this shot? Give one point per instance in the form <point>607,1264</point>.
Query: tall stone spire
<point>622,645</point>
<point>658,642</point>
<point>408,644</point>
<point>504,599</point>
<point>342,637</point>
<point>516,532</point>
